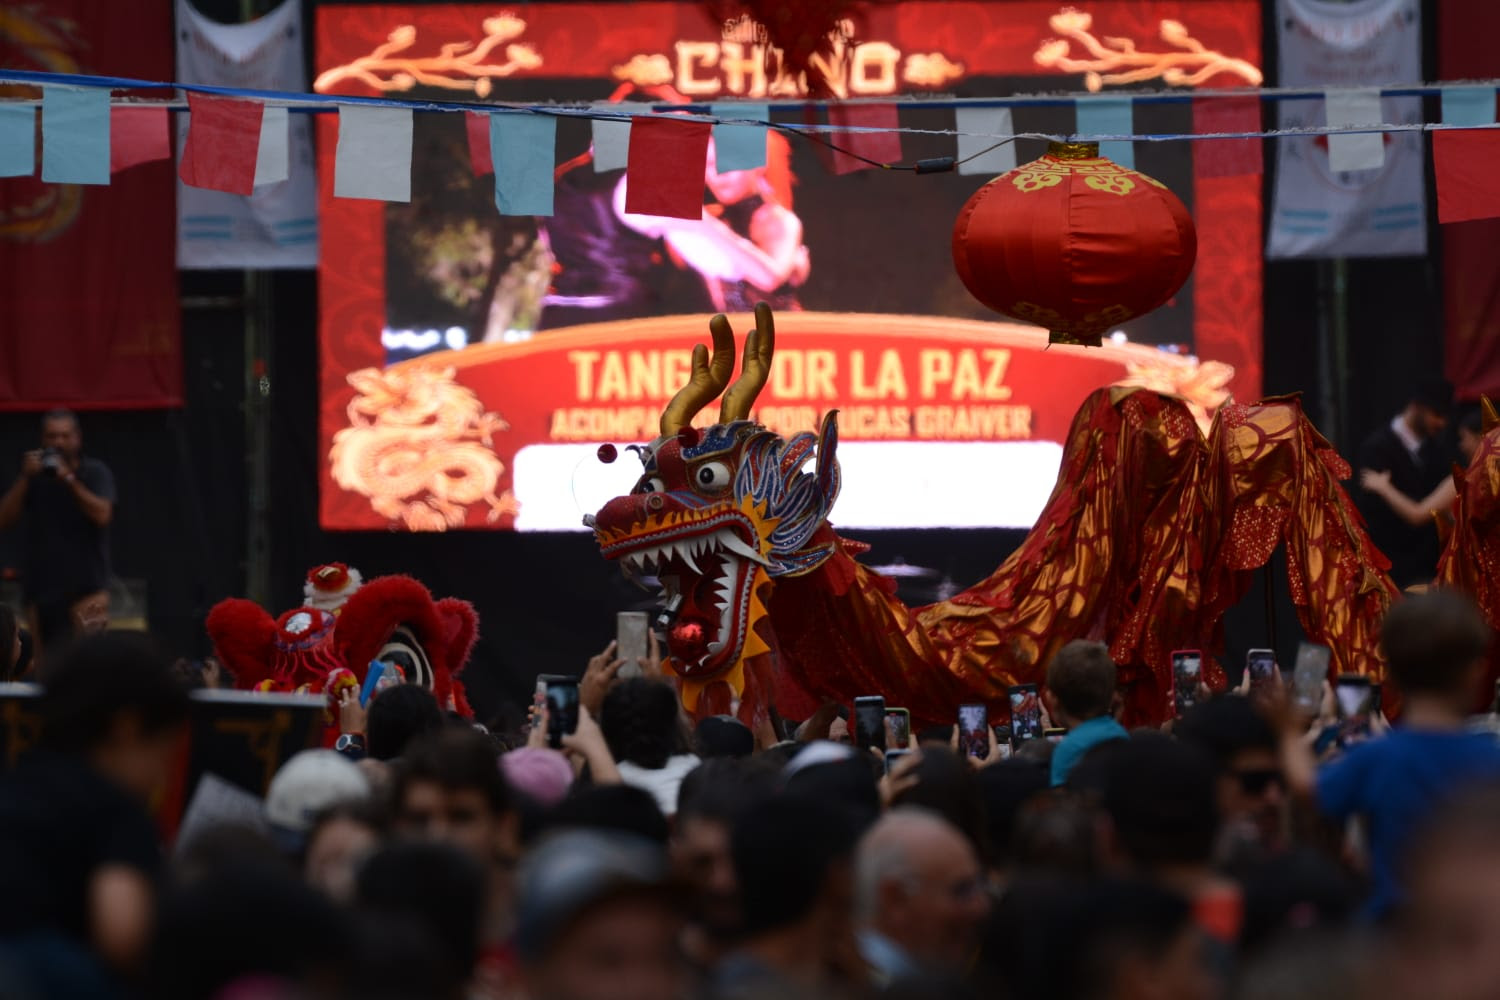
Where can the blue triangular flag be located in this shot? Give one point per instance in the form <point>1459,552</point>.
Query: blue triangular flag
<point>1109,116</point>
<point>524,149</point>
<point>75,135</point>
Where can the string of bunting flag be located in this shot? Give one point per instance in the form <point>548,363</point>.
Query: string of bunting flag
<point>236,138</point>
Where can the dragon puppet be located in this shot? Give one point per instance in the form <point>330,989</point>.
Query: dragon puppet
<point>1471,552</point>
<point>328,644</point>
<point>1151,533</point>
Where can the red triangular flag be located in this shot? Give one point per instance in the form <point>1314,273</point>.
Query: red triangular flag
<point>1463,163</point>
<point>137,135</point>
<point>855,150</point>
<point>665,166</point>
<point>478,125</point>
<point>1226,157</point>
<point>222,143</point>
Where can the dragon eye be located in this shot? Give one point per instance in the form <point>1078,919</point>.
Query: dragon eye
<point>712,476</point>
<point>652,484</point>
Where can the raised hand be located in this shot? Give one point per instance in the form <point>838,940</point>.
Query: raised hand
<point>598,678</point>
<point>352,715</point>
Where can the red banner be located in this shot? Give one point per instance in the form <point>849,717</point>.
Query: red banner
<point>89,314</point>
<point>471,364</point>
<point>1471,268</point>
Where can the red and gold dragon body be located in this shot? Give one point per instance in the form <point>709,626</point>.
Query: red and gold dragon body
<point>1151,534</point>
<point>1471,553</point>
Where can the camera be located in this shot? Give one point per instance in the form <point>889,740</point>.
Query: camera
<point>52,462</point>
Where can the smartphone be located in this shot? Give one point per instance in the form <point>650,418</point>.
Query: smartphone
<point>1308,676</point>
<point>1261,665</point>
<point>1054,735</point>
<point>891,756</point>
<point>1025,713</point>
<point>539,696</point>
<point>630,641</point>
<point>1352,693</point>
<point>974,731</point>
<point>562,710</point>
<point>1187,674</point>
<point>1002,740</point>
<point>378,677</point>
<point>869,722</point>
<point>897,728</point>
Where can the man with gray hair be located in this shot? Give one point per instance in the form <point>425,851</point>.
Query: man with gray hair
<point>920,895</point>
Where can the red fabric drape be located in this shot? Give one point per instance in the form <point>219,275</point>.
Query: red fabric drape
<point>1471,268</point>
<point>89,314</point>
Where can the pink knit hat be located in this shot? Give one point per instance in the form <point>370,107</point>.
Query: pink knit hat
<point>540,773</point>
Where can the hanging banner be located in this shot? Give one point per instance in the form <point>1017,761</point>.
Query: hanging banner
<point>88,294</point>
<point>1379,211</point>
<point>1471,268</point>
<point>277,225</point>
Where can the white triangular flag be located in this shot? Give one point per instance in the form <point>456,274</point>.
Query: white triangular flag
<point>272,163</point>
<point>611,141</point>
<point>374,153</point>
<point>1361,150</point>
<point>977,129</point>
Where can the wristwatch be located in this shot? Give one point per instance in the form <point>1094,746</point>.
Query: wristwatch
<point>350,741</point>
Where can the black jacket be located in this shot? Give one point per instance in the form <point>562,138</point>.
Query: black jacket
<point>1413,550</point>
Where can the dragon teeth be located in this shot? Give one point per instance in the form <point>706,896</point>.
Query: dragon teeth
<point>734,544</point>
<point>724,542</point>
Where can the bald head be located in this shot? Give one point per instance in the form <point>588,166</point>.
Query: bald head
<point>919,884</point>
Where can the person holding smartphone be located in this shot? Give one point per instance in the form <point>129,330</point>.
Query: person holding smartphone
<point>64,501</point>
<point>1435,647</point>
<point>1080,693</point>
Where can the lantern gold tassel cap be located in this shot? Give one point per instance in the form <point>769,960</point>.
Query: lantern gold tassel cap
<point>1077,339</point>
<point>1073,150</point>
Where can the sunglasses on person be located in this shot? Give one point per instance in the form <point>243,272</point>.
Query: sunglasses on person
<point>1256,781</point>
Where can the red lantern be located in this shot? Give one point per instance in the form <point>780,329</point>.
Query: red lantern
<point>1074,242</point>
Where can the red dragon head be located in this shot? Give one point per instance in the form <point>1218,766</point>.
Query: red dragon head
<point>721,512</point>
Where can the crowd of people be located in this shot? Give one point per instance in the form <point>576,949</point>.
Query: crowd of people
<point>1246,850</point>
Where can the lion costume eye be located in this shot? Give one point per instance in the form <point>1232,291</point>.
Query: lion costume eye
<point>405,651</point>
<point>712,477</point>
<point>652,484</point>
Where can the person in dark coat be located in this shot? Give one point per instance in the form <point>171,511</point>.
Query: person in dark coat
<point>1410,450</point>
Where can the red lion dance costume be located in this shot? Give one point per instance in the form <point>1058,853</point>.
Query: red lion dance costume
<point>1150,535</point>
<point>311,649</point>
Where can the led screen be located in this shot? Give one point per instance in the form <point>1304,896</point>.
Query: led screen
<point>473,363</point>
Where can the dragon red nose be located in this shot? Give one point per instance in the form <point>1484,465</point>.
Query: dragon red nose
<point>623,512</point>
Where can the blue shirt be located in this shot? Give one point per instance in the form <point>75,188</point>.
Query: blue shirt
<point>1394,783</point>
<point>1080,740</point>
<point>885,958</point>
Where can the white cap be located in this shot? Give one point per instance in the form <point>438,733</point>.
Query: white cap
<point>815,753</point>
<point>309,783</point>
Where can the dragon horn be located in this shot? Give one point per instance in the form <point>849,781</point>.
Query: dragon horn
<point>1491,418</point>
<point>760,345</point>
<point>706,382</point>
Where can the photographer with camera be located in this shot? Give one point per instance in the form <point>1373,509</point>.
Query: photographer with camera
<point>66,501</point>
